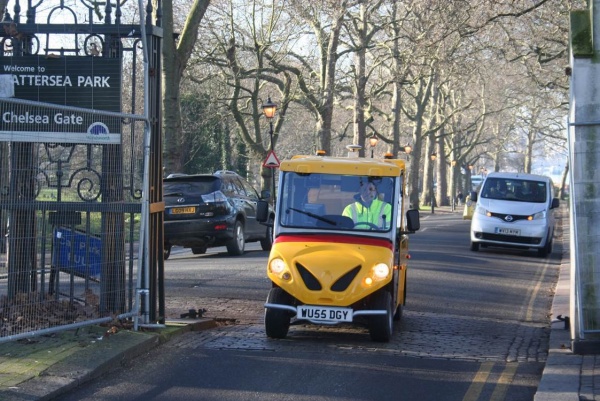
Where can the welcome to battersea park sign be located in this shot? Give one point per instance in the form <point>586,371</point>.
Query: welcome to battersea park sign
<point>84,82</point>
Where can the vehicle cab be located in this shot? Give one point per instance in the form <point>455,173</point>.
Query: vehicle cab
<point>336,257</point>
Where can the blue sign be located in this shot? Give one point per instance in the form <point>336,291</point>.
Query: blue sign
<point>77,251</point>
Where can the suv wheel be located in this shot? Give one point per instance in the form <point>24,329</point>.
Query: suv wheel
<point>199,250</point>
<point>236,245</point>
<point>267,243</point>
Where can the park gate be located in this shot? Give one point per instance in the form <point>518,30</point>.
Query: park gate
<point>81,213</point>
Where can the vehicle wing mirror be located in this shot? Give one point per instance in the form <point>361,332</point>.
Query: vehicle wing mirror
<point>412,220</point>
<point>265,194</point>
<point>473,196</point>
<point>262,211</point>
<point>555,203</point>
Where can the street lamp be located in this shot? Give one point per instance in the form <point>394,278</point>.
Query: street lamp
<point>269,110</point>
<point>407,149</point>
<point>373,142</point>
<point>453,190</point>
<point>433,156</point>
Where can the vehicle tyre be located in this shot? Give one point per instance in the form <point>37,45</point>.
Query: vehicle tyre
<point>236,245</point>
<point>277,321</point>
<point>166,251</point>
<point>474,246</point>
<point>199,250</point>
<point>381,326</point>
<point>267,243</point>
<point>546,250</point>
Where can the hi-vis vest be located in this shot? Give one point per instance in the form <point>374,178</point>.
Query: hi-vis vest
<point>374,214</point>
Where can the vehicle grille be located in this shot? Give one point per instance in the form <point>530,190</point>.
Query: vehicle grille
<point>343,282</point>
<point>310,281</point>
<point>511,238</point>
<point>514,217</point>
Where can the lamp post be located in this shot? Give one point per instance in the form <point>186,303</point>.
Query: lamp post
<point>433,156</point>
<point>269,110</point>
<point>407,150</point>
<point>453,190</point>
<point>373,142</point>
<point>470,175</point>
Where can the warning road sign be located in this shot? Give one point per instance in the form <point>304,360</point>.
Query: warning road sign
<point>271,161</point>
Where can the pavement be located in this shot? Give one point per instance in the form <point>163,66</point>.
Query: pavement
<point>45,367</point>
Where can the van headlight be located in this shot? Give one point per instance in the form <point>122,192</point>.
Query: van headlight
<point>380,271</point>
<point>482,210</point>
<point>539,215</point>
<point>277,266</point>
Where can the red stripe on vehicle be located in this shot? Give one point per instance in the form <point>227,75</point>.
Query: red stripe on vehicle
<point>338,239</point>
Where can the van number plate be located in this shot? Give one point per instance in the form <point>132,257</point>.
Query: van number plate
<point>508,231</point>
<point>324,313</point>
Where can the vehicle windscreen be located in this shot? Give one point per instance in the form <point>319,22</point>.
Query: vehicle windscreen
<point>337,202</point>
<point>514,190</point>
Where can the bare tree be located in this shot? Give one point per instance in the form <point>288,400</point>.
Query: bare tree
<point>176,53</point>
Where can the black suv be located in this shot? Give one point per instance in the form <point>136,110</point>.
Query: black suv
<point>210,210</point>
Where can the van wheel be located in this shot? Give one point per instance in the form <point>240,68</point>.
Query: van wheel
<point>236,245</point>
<point>546,250</point>
<point>267,243</point>
<point>474,246</point>
<point>277,321</point>
<point>381,326</point>
<point>166,251</point>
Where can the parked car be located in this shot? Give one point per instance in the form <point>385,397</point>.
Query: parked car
<point>210,210</point>
<point>514,210</point>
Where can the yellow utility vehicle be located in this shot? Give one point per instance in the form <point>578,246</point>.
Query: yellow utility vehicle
<point>340,246</point>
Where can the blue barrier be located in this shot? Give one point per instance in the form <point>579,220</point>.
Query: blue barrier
<point>74,250</point>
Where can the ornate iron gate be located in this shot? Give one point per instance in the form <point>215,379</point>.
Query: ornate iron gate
<point>80,166</point>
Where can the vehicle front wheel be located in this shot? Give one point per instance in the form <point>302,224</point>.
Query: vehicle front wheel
<point>277,321</point>
<point>474,246</point>
<point>166,251</point>
<point>381,326</point>
<point>236,245</point>
<point>546,250</point>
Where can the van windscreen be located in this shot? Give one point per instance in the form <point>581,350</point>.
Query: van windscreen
<point>515,190</point>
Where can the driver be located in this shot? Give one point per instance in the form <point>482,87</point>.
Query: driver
<point>367,208</point>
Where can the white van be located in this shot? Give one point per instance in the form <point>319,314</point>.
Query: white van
<point>514,210</point>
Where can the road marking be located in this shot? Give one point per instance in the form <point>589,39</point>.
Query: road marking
<point>479,380</point>
<point>504,381</point>
<point>529,312</point>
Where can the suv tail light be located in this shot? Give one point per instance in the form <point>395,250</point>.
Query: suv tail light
<point>214,197</point>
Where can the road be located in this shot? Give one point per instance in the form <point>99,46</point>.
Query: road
<point>475,327</point>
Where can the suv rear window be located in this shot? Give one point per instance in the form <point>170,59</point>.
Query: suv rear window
<point>196,186</point>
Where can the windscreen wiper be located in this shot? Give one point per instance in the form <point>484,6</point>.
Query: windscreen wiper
<point>314,216</point>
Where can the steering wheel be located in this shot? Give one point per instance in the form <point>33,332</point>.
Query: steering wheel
<point>370,225</point>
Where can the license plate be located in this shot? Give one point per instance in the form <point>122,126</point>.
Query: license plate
<point>508,231</point>
<point>324,313</point>
<point>183,210</point>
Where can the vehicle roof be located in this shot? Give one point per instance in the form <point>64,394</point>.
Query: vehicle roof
<point>523,176</point>
<point>192,177</point>
<point>344,165</point>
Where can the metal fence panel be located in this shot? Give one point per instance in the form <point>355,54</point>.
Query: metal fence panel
<point>70,207</point>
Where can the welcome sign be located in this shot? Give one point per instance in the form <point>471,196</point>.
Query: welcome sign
<point>83,82</point>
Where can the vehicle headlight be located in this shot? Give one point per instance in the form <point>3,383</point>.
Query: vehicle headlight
<point>381,271</point>
<point>539,215</point>
<point>277,266</point>
<point>481,210</point>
